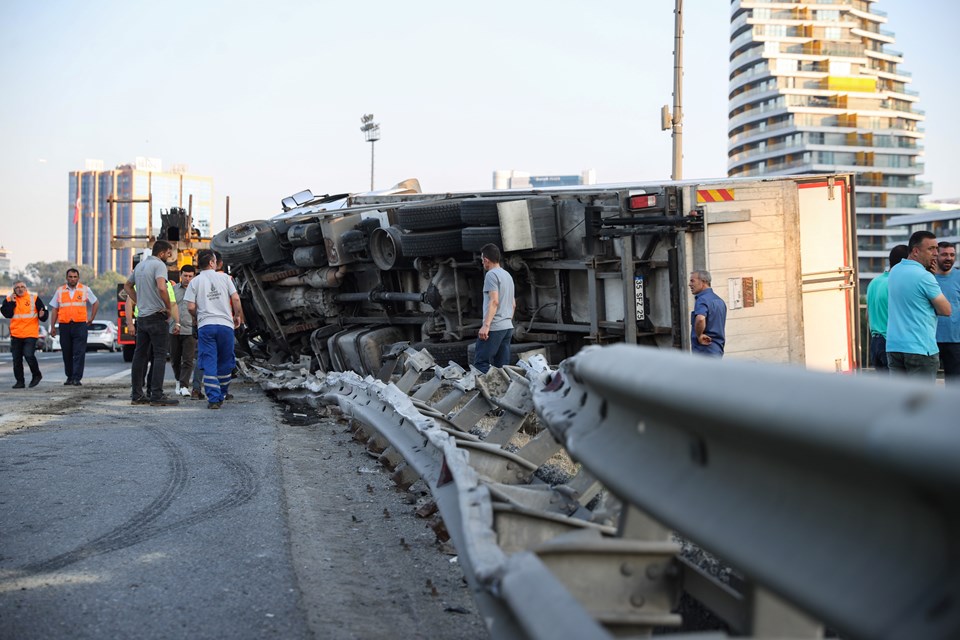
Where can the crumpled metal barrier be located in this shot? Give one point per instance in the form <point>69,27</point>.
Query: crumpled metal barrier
<point>839,494</point>
<point>517,595</point>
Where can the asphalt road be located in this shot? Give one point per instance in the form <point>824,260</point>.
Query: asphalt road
<point>120,521</point>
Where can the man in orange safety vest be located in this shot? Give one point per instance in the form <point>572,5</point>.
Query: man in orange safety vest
<point>69,316</point>
<point>25,311</point>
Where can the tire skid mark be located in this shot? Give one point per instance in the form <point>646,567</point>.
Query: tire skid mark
<point>141,527</point>
<point>122,536</point>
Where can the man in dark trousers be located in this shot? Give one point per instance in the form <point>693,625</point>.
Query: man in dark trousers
<point>499,303</point>
<point>25,311</point>
<point>708,319</point>
<point>70,317</point>
<point>147,289</point>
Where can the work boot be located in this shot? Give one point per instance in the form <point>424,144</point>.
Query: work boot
<point>35,380</point>
<point>214,405</point>
<point>164,401</point>
<point>68,382</point>
<point>19,385</point>
<point>140,400</point>
<point>196,394</point>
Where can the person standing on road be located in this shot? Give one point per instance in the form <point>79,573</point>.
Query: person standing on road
<point>948,327</point>
<point>26,311</point>
<point>183,344</point>
<point>69,316</point>
<point>915,302</point>
<point>877,298</point>
<point>147,289</point>
<point>708,319</point>
<point>213,301</point>
<point>499,304</point>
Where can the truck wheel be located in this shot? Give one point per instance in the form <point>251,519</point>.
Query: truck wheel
<point>423,217</point>
<point>474,238</point>
<point>431,243</point>
<point>480,211</point>
<point>128,352</point>
<point>443,352</point>
<point>385,248</point>
<point>238,244</point>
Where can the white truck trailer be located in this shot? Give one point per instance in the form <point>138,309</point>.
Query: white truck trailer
<point>346,279</point>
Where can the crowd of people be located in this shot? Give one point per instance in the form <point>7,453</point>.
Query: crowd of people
<point>192,321</point>
<point>913,310</point>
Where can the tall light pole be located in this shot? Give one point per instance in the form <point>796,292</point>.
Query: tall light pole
<point>675,120</point>
<point>371,133</point>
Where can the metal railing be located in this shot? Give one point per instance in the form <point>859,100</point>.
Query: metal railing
<point>831,495</point>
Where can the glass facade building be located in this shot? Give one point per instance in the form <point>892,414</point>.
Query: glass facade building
<point>815,88</point>
<point>92,223</point>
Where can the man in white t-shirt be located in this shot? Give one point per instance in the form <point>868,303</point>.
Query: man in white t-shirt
<point>212,299</point>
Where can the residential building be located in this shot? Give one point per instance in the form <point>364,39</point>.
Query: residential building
<point>123,203</point>
<point>510,179</point>
<point>943,223</point>
<point>5,267</point>
<point>815,88</point>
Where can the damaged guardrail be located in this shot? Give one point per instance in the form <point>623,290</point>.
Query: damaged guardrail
<point>832,493</point>
<point>838,494</point>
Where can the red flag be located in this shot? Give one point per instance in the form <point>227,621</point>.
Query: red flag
<point>76,211</point>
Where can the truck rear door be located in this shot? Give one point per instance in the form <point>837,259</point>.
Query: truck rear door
<point>828,261</point>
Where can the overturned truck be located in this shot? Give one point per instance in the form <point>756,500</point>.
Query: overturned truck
<point>350,280</point>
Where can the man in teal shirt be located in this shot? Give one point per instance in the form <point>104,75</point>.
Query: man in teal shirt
<point>915,302</point>
<point>877,295</point>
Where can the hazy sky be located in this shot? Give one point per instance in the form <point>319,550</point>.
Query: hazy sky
<point>268,99</point>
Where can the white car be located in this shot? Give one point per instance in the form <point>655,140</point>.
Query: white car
<point>102,335</point>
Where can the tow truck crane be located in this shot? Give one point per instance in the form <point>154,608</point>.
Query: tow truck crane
<point>176,227</point>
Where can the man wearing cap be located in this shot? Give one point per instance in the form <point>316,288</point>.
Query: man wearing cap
<point>25,311</point>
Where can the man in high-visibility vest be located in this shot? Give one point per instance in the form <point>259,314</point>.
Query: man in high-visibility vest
<point>69,316</point>
<point>26,311</point>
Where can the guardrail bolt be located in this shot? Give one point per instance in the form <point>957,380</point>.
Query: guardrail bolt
<point>626,569</point>
<point>654,571</point>
<point>637,600</point>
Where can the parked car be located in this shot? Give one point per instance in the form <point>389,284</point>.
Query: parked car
<point>102,335</point>
<point>50,343</point>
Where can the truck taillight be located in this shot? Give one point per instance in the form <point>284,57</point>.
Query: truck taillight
<point>641,202</point>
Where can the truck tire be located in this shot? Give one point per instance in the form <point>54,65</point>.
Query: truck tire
<point>475,238</point>
<point>480,211</point>
<point>238,244</point>
<point>128,352</point>
<point>444,352</point>
<point>431,243</point>
<point>424,217</point>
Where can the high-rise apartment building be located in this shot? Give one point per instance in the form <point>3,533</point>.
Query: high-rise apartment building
<point>5,266</point>
<point>92,220</point>
<point>815,88</point>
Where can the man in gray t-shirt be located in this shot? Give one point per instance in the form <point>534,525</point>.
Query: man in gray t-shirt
<point>147,289</point>
<point>493,339</point>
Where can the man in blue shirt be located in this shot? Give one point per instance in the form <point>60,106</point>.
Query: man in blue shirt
<point>877,296</point>
<point>948,328</point>
<point>915,302</point>
<point>708,318</point>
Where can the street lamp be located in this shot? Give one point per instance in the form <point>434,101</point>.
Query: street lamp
<point>371,133</point>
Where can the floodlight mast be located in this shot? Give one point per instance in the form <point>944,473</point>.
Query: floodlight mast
<point>675,120</point>
<point>371,133</point>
